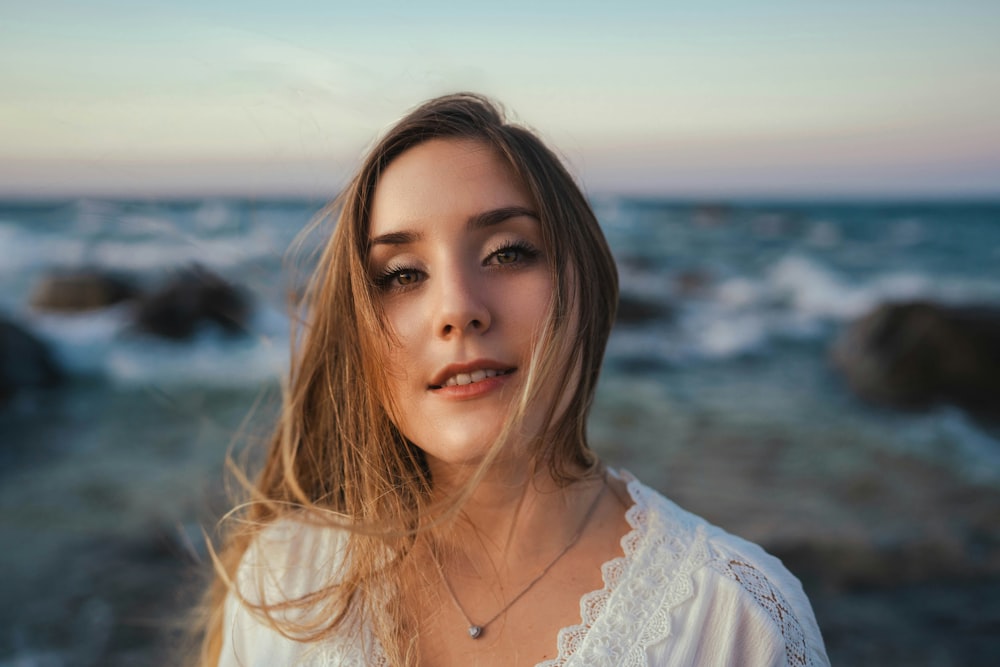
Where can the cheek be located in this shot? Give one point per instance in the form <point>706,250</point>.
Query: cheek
<point>529,303</point>
<point>405,318</point>
<point>402,324</point>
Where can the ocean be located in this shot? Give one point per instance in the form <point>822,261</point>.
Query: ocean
<point>717,389</point>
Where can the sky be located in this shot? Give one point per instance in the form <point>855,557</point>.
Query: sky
<point>707,99</point>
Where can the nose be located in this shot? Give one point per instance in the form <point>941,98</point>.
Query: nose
<point>462,306</point>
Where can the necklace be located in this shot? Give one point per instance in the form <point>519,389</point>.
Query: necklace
<point>476,630</point>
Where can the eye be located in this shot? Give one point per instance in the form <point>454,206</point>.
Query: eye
<point>406,277</point>
<point>512,253</point>
<point>398,278</point>
<point>507,256</point>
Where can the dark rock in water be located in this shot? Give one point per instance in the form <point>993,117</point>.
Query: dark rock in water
<point>194,297</point>
<point>80,291</point>
<point>633,310</point>
<point>692,282</point>
<point>25,361</point>
<point>917,354</point>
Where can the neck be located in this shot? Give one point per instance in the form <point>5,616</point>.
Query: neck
<point>513,517</point>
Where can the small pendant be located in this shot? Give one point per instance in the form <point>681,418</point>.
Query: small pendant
<point>475,631</point>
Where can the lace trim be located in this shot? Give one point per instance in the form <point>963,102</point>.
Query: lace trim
<point>336,657</point>
<point>367,653</point>
<point>661,566</point>
<point>771,601</point>
<point>578,641</point>
<point>657,568</point>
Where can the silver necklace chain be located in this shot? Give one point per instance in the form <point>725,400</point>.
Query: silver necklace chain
<point>476,630</point>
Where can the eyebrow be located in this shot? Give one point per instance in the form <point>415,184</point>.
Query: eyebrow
<point>478,221</point>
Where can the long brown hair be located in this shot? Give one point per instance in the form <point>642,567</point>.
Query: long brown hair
<point>337,459</point>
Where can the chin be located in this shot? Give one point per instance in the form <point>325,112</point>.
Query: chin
<point>465,449</point>
<point>462,451</point>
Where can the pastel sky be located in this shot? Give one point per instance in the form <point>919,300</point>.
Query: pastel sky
<point>783,99</point>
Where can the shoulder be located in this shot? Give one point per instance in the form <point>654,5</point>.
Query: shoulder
<point>724,582</point>
<point>286,561</point>
<point>290,558</point>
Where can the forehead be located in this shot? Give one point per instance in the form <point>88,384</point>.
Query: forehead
<point>444,179</point>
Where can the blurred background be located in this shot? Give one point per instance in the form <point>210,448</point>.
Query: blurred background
<point>804,202</point>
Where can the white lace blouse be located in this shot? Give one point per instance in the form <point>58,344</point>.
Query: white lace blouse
<point>684,593</point>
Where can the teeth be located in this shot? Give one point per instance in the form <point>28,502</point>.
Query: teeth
<point>474,376</point>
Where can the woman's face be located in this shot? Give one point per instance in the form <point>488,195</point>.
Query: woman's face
<point>462,272</point>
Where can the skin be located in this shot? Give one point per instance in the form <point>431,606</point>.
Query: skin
<point>458,256</point>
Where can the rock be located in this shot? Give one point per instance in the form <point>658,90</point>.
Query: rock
<point>194,297</point>
<point>25,361</point>
<point>80,291</point>
<point>692,282</point>
<point>633,310</point>
<point>917,354</point>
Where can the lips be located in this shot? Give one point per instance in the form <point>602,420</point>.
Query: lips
<point>463,374</point>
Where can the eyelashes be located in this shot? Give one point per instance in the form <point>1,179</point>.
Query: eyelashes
<point>509,255</point>
<point>513,252</point>
<point>403,276</point>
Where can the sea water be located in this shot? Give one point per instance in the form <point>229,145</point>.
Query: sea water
<point>721,393</point>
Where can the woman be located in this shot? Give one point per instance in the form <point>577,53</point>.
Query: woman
<point>429,497</point>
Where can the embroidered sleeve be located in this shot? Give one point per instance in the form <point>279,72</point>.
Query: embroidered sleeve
<point>650,607</point>
<point>773,602</point>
